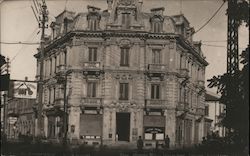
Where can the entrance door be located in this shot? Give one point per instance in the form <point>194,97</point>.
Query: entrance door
<point>123,126</point>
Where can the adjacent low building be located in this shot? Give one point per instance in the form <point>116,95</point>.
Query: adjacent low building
<point>128,74</point>
<point>20,114</point>
<point>215,111</point>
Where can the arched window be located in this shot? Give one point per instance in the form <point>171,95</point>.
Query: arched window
<point>156,23</point>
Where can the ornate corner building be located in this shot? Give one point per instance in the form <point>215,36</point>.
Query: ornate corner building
<point>129,74</point>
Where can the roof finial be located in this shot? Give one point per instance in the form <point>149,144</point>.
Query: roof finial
<point>65,7</point>
<point>180,6</point>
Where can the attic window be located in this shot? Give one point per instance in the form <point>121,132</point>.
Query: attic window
<point>65,25</point>
<point>93,21</point>
<point>156,24</point>
<point>126,20</point>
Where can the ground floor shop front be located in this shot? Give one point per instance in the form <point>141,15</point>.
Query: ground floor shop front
<point>111,126</point>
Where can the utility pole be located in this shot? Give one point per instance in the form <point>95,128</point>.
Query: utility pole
<point>232,38</point>
<point>41,9</point>
<point>5,96</point>
<point>232,56</point>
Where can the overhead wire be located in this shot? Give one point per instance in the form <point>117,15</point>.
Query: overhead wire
<point>31,35</point>
<point>210,18</point>
<point>26,43</point>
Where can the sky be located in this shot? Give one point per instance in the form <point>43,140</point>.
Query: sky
<point>18,24</point>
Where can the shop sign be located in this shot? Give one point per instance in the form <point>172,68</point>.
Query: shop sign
<point>23,89</point>
<point>154,130</point>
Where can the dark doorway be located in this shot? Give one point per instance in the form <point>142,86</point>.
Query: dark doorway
<point>123,126</point>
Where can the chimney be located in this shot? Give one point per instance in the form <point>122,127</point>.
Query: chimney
<point>26,78</point>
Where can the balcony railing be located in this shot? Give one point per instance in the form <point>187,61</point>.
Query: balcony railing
<point>184,73</point>
<point>91,101</point>
<point>156,103</point>
<point>91,65</point>
<point>157,68</point>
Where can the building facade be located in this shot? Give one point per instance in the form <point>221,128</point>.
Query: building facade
<point>128,73</point>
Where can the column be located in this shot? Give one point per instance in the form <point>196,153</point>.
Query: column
<point>170,125</point>
<point>74,120</point>
<point>45,129</point>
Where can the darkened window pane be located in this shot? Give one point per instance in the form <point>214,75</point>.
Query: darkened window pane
<point>123,91</point>
<point>124,57</point>
<point>91,90</point>
<point>54,94</point>
<point>206,110</point>
<point>50,70</point>
<point>92,54</point>
<point>55,63</point>
<point>152,91</point>
<point>156,56</point>
<point>126,20</point>
<point>155,91</point>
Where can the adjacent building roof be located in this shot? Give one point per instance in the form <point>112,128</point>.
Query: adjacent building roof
<point>210,96</point>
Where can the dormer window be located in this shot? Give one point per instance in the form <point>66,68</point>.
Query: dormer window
<point>126,20</point>
<point>156,24</point>
<point>93,18</point>
<point>93,22</point>
<point>65,24</point>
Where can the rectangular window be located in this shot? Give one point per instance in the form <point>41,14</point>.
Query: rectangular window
<point>126,20</point>
<point>50,68</point>
<point>91,91</point>
<point>124,57</point>
<point>54,94</point>
<point>123,91</point>
<point>206,110</point>
<point>49,95</point>
<point>55,64</point>
<point>155,91</point>
<point>92,54</point>
<point>156,56</point>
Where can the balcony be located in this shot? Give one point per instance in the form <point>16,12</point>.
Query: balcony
<point>200,83</point>
<point>91,65</point>
<point>157,68</point>
<point>13,112</point>
<point>91,68</point>
<point>156,103</point>
<point>59,102</point>
<point>200,111</point>
<point>182,106</point>
<point>91,102</point>
<point>184,73</point>
<point>61,69</point>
